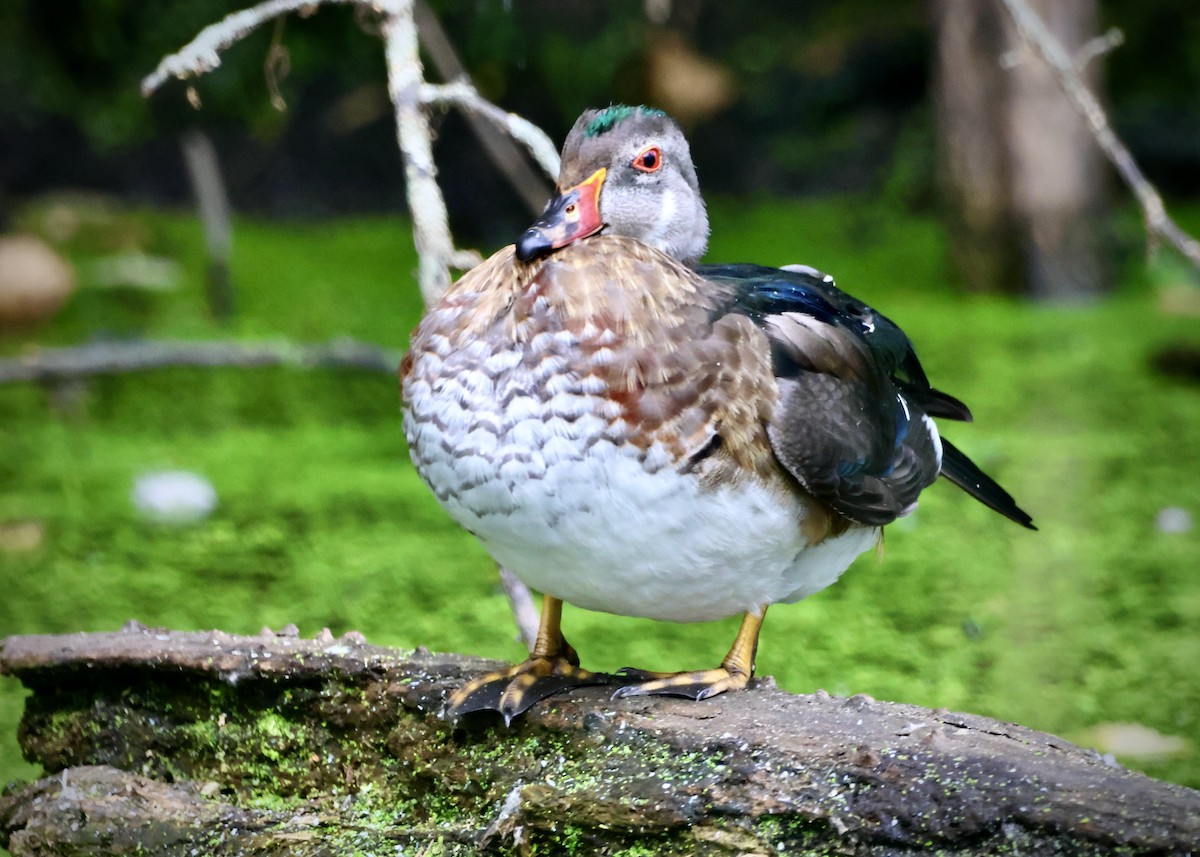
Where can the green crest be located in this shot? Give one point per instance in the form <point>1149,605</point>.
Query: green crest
<point>609,117</point>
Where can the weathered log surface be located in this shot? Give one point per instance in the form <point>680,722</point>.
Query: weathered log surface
<point>168,743</point>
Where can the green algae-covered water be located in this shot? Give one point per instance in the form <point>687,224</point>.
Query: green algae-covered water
<point>321,521</point>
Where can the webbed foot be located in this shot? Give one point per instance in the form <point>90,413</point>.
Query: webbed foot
<point>552,667</point>
<point>511,692</point>
<point>700,684</point>
<point>734,673</point>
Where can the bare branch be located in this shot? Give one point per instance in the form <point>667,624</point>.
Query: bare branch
<point>1160,226</point>
<point>465,260</point>
<point>410,95</point>
<point>431,225</point>
<point>115,358</point>
<point>466,97</point>
<point>525,612</point>
<point>203,53</point>
<point>1098,47</point>
<point>499,146</point>
<point>212,202</point>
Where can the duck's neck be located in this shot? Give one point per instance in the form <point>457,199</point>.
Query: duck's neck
<point>680,231</point>
<point>681,235</point>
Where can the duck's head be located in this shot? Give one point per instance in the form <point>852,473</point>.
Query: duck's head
<point>627,170</point>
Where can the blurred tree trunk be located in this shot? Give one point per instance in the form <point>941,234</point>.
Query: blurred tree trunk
<point>212,204</point>
<point>1023,180</point>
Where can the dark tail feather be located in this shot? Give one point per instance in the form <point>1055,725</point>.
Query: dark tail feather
<point>937,404</point>
<point>962,472</point>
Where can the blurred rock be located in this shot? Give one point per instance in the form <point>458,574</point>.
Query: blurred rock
<point>1173,520</point>
<point>134,271</point>
<point>1180,299</point>
<point>90,222</point>
<point>174,496</point>
<point>34,282</point>
<point>1176,283</point>
<point>1133,741</point>
<point>21,536</point>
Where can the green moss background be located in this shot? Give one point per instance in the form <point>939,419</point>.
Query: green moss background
<point>322,521</point>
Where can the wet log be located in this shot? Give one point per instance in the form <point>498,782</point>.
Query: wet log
<point>166,743</point>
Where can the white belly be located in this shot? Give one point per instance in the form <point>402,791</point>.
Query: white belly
<point>602,524</point>
<point>658,545</point>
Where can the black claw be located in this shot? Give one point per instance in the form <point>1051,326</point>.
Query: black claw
<point>544,686</point>
<point>484,698</point>
<point>637,674</point>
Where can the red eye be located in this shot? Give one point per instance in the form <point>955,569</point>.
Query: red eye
<point>649,160</point>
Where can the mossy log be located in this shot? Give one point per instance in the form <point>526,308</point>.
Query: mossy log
<point>168,743</point>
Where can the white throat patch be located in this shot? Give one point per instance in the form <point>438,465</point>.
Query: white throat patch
<point>657,237</point>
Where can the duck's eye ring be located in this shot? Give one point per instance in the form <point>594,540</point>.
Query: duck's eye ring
<point>649,160</point>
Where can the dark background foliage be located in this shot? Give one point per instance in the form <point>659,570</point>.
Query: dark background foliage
<point>826,98</point>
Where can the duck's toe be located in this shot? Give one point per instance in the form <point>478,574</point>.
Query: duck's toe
<point>511,692</point>
<point>700,684</point>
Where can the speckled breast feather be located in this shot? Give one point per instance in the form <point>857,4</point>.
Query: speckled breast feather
<point>603,430</point>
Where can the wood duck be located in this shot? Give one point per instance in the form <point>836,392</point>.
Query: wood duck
<point>631,433</point>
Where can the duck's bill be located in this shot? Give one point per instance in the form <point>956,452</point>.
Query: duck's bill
<point>573,214</point>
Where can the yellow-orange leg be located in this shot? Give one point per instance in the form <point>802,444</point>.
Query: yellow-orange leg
<point>552,666</point>
<point>734,673</point>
